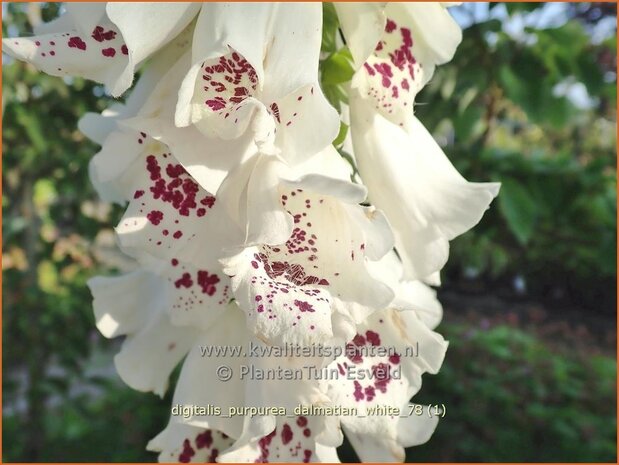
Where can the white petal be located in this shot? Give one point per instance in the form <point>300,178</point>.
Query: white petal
<point>280,41</point>
<point>410,295</point>
<point>412,430</point>
<point>124,304</point>
<point>208,160</point>
<point>286,288</point>
<point>167,210</point>
<point>292,440</point>
<point>306,123</point>
<point>363,25</point>
<point>415,295</point>
<point>264,206</point>
<point>110,169</point>
<point>415,430</point>
<point>416,38</point>
<point>265,391</point>
<point>189,444</point>
<point>147,27</point>
<point>101,56</point>
<point>198,383</point>
<point>98,126</point>
<point>85,16</point>
<point>279,310</point>
<point>327,162</point>
<point>436,34</point>
<point>411,180</point>
<point>196,297</point>
<point>148,357</point>
<point>391,76</point>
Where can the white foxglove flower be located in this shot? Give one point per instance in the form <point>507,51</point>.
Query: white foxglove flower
<point>255,65</point>
<point>306,244</point>
<point>411,348</point>
<point>408,176</point>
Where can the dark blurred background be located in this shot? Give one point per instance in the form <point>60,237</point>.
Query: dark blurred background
<point>529,294</point>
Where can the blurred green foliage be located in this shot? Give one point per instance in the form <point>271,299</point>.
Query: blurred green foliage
<point>510,395</point>
<point>50,221</point>
<point>554,223</point>
<point>510,398</point>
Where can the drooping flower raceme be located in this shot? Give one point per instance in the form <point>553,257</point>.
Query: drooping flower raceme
<point>291,296</point>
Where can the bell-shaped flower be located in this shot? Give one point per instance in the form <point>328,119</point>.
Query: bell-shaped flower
<point>255,68</point>
<point>396,49</point>
<point>382,367</point>
<point>103,42</point>
<point>427,202</point>
<point>304,244</point>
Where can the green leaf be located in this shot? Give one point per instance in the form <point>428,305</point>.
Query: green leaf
<point>518,208</point>
<point>330,27</point>
<point>337,68</point>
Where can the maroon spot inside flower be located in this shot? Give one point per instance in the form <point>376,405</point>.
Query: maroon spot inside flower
<point>155,217</point>
<point>303,306</point>
<point>275,111</point>
<point>370,393</point>
<point>184,281</point>
<point>372,337</point>
<point>76,42</point>
<point>286,434</point>
<point>187,452</point>
<point>264,444</point>
<point>204,439</point>
<point>108,52</point>
<point>382,376</point>
<point>100,35</point>
<point>207,282</point>
<point>358,392</point>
